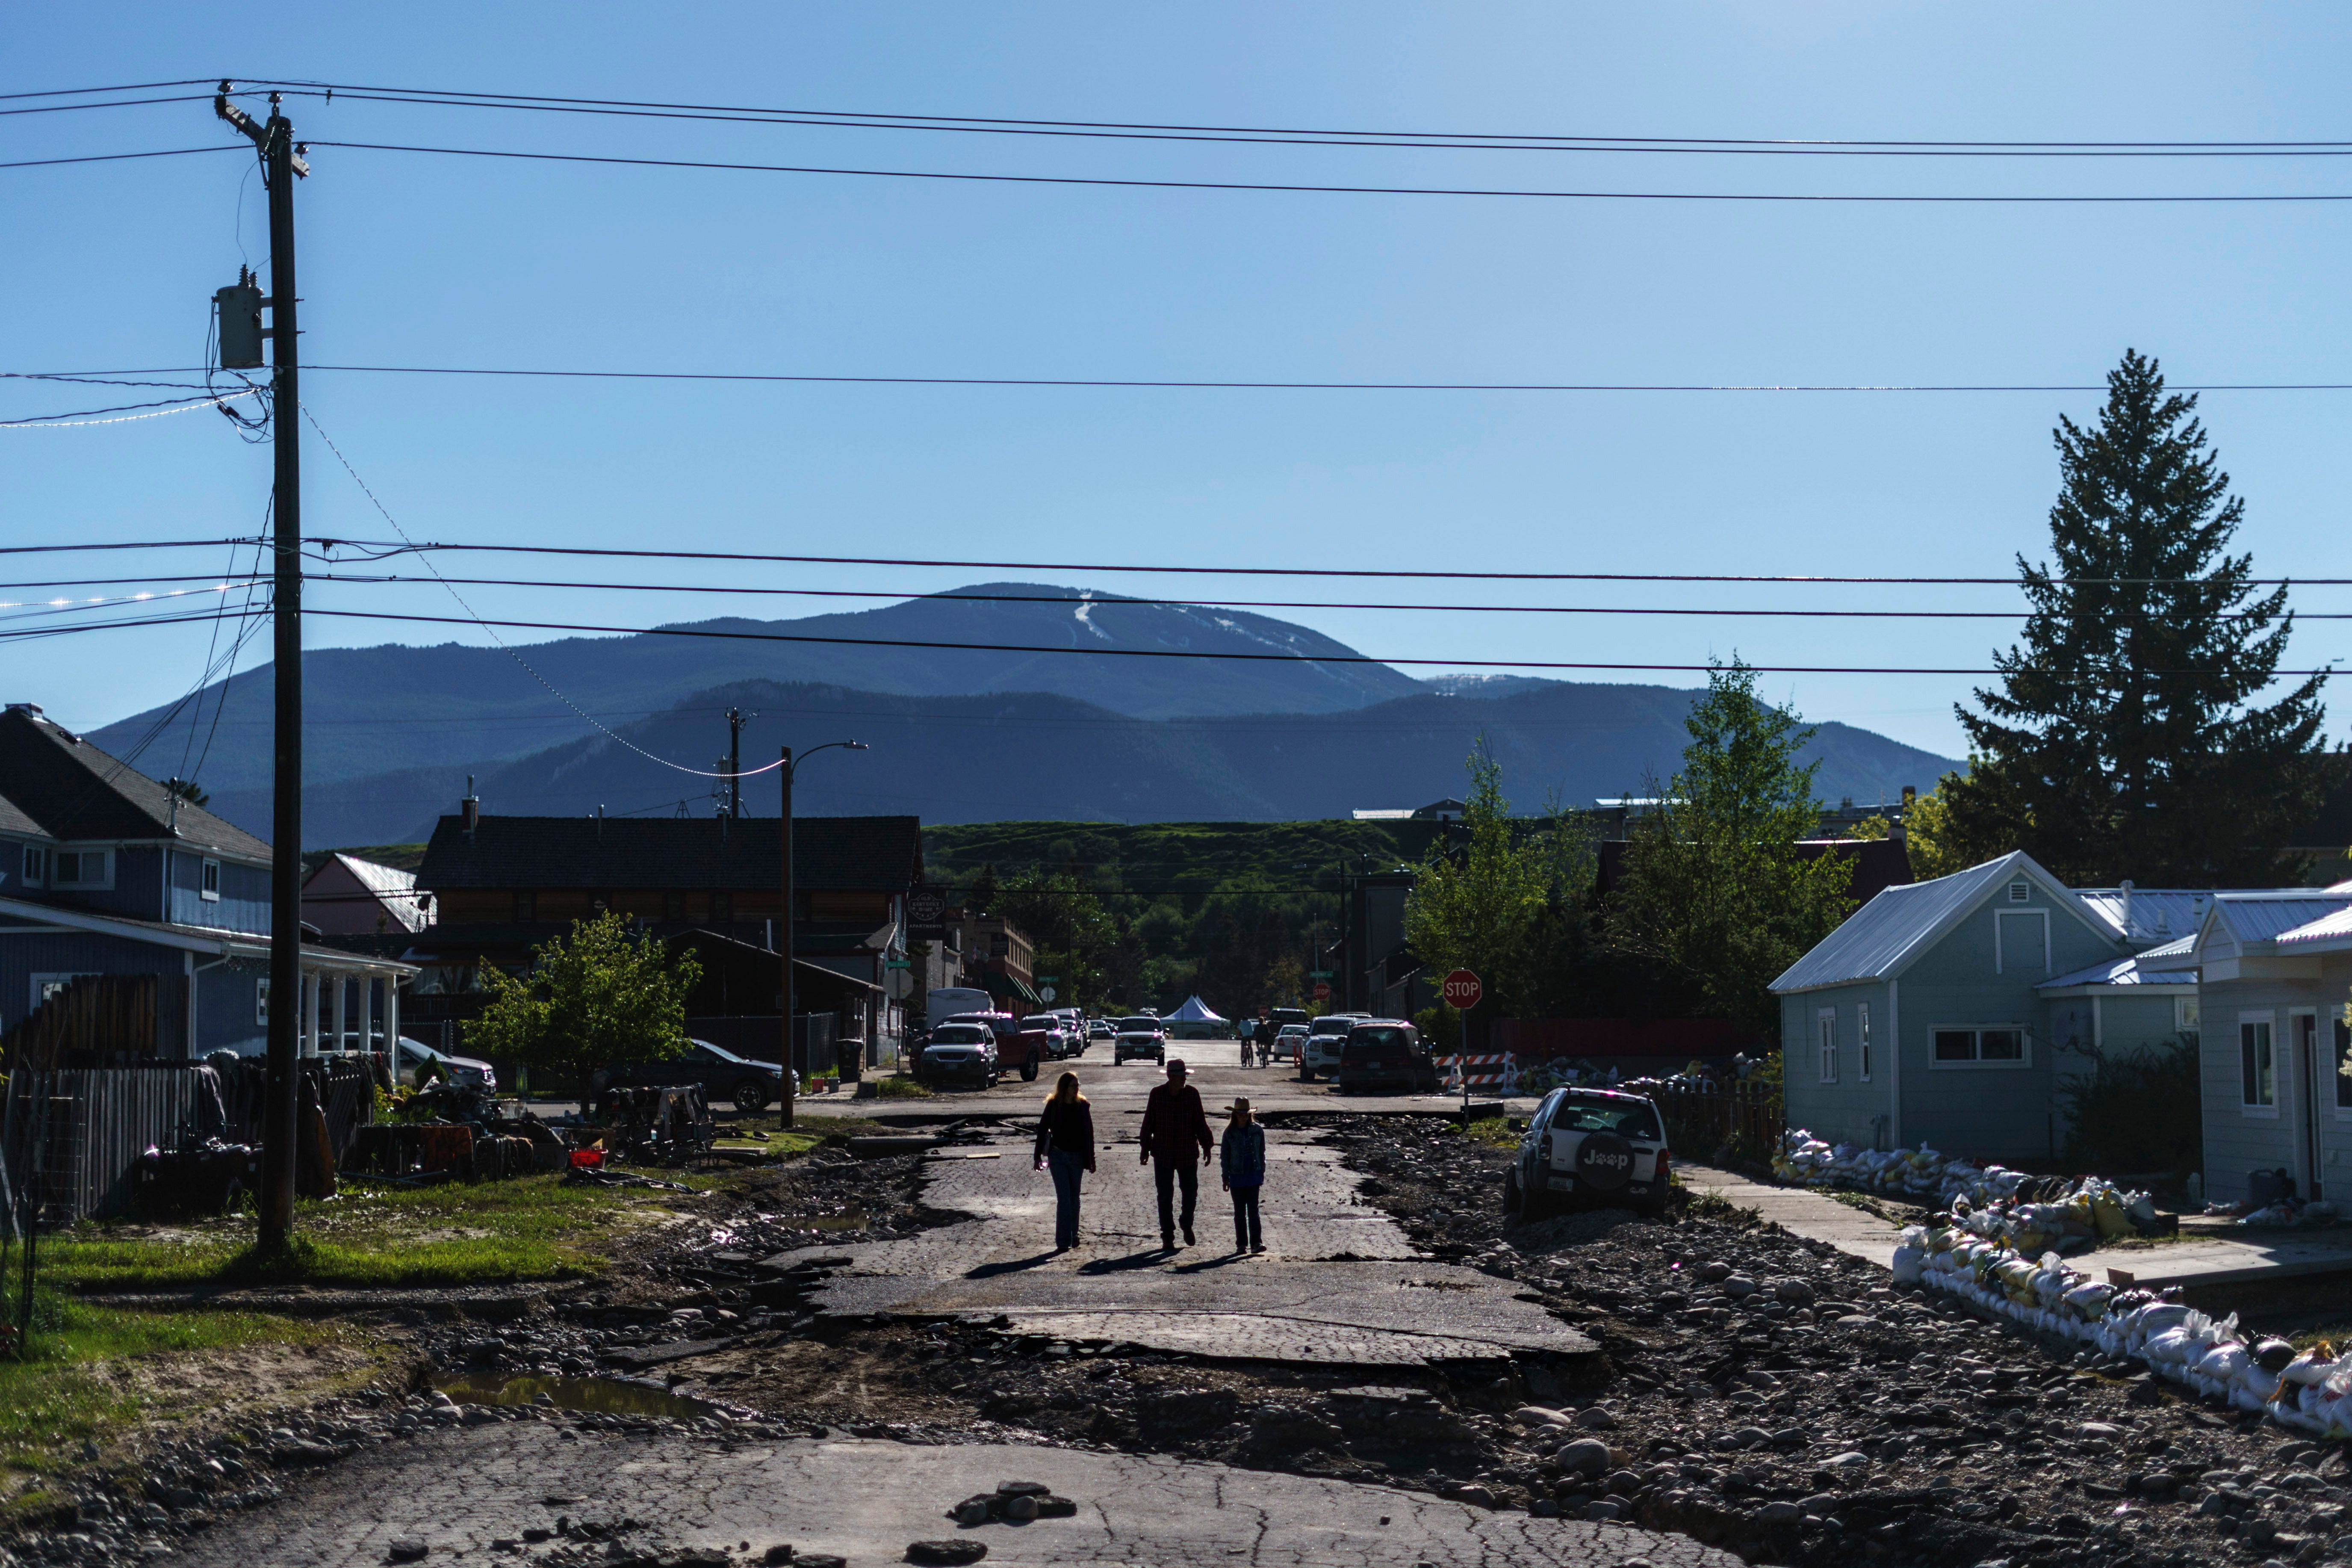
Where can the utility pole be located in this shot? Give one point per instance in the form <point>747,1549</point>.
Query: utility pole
<point>281,164</point>
<point>784,942</point>
<point>735,762</point>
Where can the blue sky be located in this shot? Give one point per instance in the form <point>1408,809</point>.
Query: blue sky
<point>417,260</point>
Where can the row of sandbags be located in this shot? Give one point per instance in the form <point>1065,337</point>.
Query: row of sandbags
<point>2311,1392</point>
<point>2028,1213</point>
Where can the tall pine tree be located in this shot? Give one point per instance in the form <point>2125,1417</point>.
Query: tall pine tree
<point>2124,740</point>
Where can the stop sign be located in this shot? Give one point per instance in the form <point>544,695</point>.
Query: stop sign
<point>1322,991</point>
<point>1462,989</point>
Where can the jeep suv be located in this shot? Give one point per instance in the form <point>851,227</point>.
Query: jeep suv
<point>1594,1147</point>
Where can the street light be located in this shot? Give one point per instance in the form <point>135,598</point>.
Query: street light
<point>784,773</point>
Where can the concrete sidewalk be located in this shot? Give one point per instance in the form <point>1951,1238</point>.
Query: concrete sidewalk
<point>1801,1211</point>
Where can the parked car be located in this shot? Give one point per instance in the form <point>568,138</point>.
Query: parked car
<point>1384,1052</point>
<point>1045,1040</point>
<point>410,1055</point>
<point>751,1085</point>
<point>1286,1041</point>
<point>1590,1146</point>
<point>1325,1036</point>
<point>1101,1029</point>
<point>1074,1027</point>
<point>1013,1054</point>
<point>961,1049</point>
<point>1138,1037</point>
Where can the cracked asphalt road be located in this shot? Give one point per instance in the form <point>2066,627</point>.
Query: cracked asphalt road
<point>1341,1284</point>
<point>864,1500</point>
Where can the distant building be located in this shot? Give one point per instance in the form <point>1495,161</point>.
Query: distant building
<point>347,896</point>
<point>120,899</point>
<point>1447,810</point>
<point>999,958</point>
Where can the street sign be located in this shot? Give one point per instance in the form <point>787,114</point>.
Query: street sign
<point>1045,994</point>
<point>1322,991</point>
<point>899,984</point>
<point>897,963</point>
<point>1319,974</point>
<point>925,906</point>
<point>1463,990</point>
<point>1047,979</point>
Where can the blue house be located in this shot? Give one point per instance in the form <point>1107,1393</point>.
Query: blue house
<point>2274,969</point>
<point>106,873</point>
<point>1950,1013</point>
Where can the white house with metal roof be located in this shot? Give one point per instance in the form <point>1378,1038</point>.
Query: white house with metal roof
<point>2275,972</point>
<point>1950,1013</point>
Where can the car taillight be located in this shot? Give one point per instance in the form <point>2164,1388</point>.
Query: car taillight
<point>1665,1158</point>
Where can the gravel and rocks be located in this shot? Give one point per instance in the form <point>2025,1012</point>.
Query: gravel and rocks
<point>1782,1399</point>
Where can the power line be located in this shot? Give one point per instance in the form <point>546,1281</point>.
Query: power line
<point>389,547</point>
<point>116,103</point>
<point>120,87</point>
<point>1476,140</point>
<point>1166,384</point>
<point>113,157</point>
<point>159,409</point>
<point>1298,188</point>
<point>526,667</point>
<point>955,596</point>
<point>121,544</point>
<point>1350,659</point>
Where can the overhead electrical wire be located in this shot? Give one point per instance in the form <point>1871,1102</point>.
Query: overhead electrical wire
<point>1307,188</point>
<point>1171,383</point>
<point>114,157</point>
<point>957,595</point>
<point>1473,141</point>
<point>119,87</point>
<point>388,547</point>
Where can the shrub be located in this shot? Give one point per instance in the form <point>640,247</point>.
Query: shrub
<point>2137,1112</point>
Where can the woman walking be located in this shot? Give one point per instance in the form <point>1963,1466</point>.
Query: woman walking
<point>1065,1147</point>
<point>1245,1157</point>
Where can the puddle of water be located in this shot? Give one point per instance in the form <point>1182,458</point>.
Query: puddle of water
<point>605,1395</point>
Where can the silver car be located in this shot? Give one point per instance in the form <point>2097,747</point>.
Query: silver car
<point>1326,1035</point>
<point>411,1057</point>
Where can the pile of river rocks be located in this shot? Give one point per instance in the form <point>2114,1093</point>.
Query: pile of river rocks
<point>1771,1395</point>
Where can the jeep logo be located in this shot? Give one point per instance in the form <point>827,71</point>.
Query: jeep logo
<point>1622,1162</point>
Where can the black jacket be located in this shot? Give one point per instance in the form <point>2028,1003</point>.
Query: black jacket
<point>1070,1128</point>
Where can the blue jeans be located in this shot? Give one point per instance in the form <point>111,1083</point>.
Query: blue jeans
<point>1065,1169</point>
<point>1247,1232</point>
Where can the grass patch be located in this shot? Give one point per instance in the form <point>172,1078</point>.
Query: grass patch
<point>532,1227</point>
<point>1495,1131</point>
<point>897,1086</point>
<point>67,1390</point>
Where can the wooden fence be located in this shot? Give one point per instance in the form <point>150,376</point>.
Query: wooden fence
<point>93,1020</point>
<point>1699,1122</point>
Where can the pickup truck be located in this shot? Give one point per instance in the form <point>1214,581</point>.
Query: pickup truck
<point>1594,1148</point>
<point>1015,1050</point>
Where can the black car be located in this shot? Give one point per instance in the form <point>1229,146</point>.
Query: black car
<point>753,1086</point>
<point>1384,1053</point>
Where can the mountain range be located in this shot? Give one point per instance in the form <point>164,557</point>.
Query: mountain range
<point>999,727</point>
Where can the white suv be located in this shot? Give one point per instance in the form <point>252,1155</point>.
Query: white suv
<point>1326,1037</point>
<point>1140,1037</point>
<point>1593,1147</point>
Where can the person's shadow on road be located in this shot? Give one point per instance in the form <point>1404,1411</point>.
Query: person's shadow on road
<point>1133,1260</point>
<point>1011,1266</point>
<point>1220,1261</point>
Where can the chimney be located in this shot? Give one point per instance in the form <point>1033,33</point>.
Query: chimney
<point>470,809</point>
<point>600,822</point>
<point>2127,917</point>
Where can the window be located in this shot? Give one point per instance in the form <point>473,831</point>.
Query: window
<point>91,869</point>
<point>1862,1038</point>
<point>2343,1068</point>
<point>1825,1035</point>
<point>47,986</point>
<point>2021,891</point>
<point>210,889</point>
<point>722,906</point>
<point>2184,1015</point>
<point>526,907</point>
<point>673,907</point>
<point>261,1001</point>
<point>2257,1066</point>
<point>1992,1045</point>
<point>36,865</point>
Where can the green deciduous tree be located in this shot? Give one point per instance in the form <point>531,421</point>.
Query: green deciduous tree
<point>2125,740</point>
<point>1717,897</point>
<point>604,994</point>
<point>1075,940</point>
